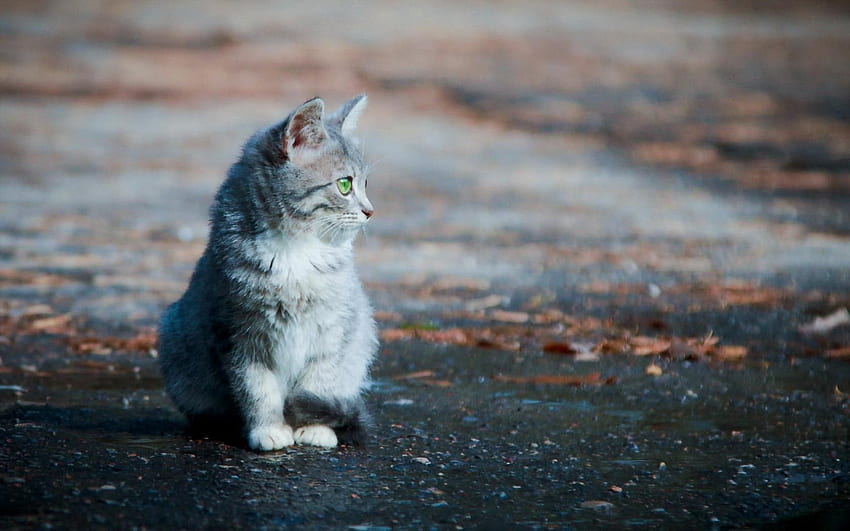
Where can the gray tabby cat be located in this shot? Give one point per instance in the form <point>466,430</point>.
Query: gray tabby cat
<point>274,333</point>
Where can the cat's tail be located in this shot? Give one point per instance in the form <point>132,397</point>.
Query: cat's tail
<point>347,417</point>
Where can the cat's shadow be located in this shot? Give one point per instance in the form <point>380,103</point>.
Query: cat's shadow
<point>138,422</point>
<point>111,423</point>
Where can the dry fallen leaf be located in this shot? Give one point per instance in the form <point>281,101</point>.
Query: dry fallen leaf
<point>729,352</point>
<point>55,323</point>
<point>449,335</point>
<point>91,346</point>
<point>509,317</point>
<point>644,346</point>
<point>611,346</point>
<point>843,352</point>
<point>395,334</point>
<point>559,347</point>
<point>36,309</point>
<point>436,383</point>
<point>388,316</point>
<point>144,341</point>
<point>549,315</point>
<point>744,294</point>
<point>414,375</point>
<point>483,303</point>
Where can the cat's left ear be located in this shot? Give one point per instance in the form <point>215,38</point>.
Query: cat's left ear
<point>305,129</point>
<point>346,117</point>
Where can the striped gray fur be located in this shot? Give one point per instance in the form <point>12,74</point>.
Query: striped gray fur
<point>274,332</point>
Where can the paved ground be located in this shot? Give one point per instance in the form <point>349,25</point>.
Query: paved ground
<point>607,237</point>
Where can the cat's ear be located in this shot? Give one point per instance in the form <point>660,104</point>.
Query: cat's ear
<point>305,129</point>
<point>346,116</point>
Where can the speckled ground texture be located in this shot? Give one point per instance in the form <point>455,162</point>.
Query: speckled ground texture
<point>610,259</point>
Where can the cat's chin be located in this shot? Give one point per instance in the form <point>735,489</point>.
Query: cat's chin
<point>341,237</point>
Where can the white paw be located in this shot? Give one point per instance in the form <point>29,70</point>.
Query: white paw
<point>268,438</point>
<point>316,435</point>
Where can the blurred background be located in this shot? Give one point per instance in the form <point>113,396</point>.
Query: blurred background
<point>610,259</point>
<point>527,156</point>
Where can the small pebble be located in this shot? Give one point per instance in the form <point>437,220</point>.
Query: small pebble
<point>653,370</point>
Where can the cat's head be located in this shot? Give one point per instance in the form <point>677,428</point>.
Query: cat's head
<point>318,170</point>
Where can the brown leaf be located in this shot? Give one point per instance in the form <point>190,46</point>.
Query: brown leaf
<point>843,352</point>
<point>729,352</point>
<point>436,383</point>
<point>91,346</point>
<point>611,346</point>
<point>15,278</point>
<point>396,334</point>
<point>449,335</point>
<point>644,346</point>
<point>144,341</point>
<point>36,309</point>
<point>743,294</point>
<point>559,347</point>
<point>414,375</point>
<point>388,316</point>
<point>497,343</point>
<point>548,316</point>
<point>55,323</point>
<point>483,303</point>
<point>509,317</point>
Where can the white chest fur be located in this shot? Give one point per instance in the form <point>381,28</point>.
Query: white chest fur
<point>309,285</point>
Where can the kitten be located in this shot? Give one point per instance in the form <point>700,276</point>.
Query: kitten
<point>274,333</point>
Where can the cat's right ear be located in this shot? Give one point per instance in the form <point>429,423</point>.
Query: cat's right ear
<point>305,130</point>
<point>347,116</point>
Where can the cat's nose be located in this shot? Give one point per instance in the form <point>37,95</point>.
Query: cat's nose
<point>367,212</point>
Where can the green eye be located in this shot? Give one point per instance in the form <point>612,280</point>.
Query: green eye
<point>344,185</point>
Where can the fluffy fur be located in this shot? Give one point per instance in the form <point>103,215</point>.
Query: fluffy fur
<point>275,333</point>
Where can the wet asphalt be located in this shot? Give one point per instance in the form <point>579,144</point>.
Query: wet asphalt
<point>699,447</point>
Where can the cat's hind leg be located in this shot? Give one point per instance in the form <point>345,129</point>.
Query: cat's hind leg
<point>318,418</point>
<point>316,435</point>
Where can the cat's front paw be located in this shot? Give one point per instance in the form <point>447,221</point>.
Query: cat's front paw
<point>268,438</point>
<point>316,435</point>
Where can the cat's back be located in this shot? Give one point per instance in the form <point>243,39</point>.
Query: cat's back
<point>184,328</point>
